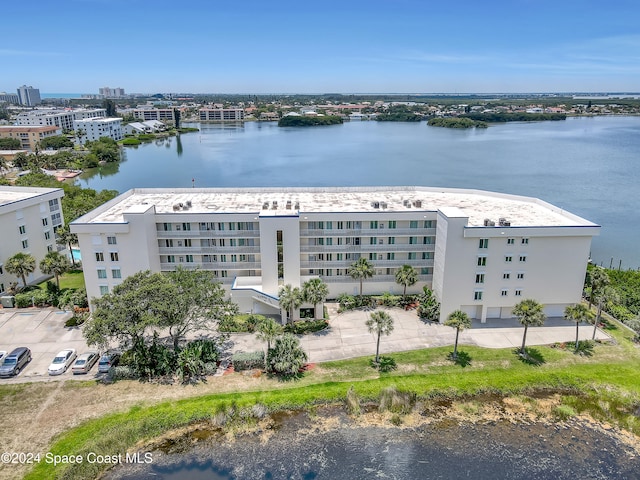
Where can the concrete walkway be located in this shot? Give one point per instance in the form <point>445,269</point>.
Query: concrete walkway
<point>348,337</point>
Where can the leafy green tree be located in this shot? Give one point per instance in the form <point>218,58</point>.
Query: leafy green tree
<point>55,264</point>
<point>129,312</point>
<point>68,239</point>
<point>290,299</point>
<point>110,106</point>
<point>21,160</point>
<point>602,295</point>
<point>21,264</point>
<point>599,280</point>
<point>197,303</point>
<point>578,313</point>
<point>314,291</point>
<point>380,323</point>
<point>429,308</point>
<point>55,143</point>
<point>360,270</point>
<point>406,276</point>
<point>286,358</point>
<point>190,363</point>
<point>530,313</point>
<point>460,321</point>
<point>268,330</point>
<point>10,144</point>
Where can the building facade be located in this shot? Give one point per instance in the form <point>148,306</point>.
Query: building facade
<point>29,136</point>
<point>255,240</point>
<point>58,118</point>
<point>94,128</point>
<point>28,219</point>
<point>29,96</point>
<point>108,92</point>
<point>160,114</point>
<point>221,114</point>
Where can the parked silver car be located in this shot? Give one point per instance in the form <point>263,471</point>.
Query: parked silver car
<point>107,361</point>
<point>85,362</point>
<point>62,361</point>
<point>15,362</point>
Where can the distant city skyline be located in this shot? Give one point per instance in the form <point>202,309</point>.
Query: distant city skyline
<point>404,46</point>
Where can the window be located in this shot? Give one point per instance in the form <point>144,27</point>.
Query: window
<point>525,241</point>
<point>232,226</point>
<point>373,241</point>
<point>428,240</point>
<point>49,248</point>
<point>391,240</point>
<point>114,256</point>
<point>477,295</point>
<point>372,256</point>
<point>102,273</point>
<point>1,287</point>
<point>45,222</point>
<point>54,205</point>
<point>171,259</point>
<point>373,224</point>
<point>504,292</point>
<point>428,224</point>
<point>111,240</point>
<point>426,271</point>
<point>482,261</point>
<point>413,224</point>
<point>187,242</point>
<point>506,276</point>
<point>392,224</point>
<point>411,255</point>
<point>518,293</point>
<point>508,258</point>
<point>391,256</point>
<point>104,289</point>
<point>47,235</point>
<point>523,258</point>
<point>189,258</point>
<point>413,240</point>
<point>483,243</point>
<point>511,241</point>
<point>56,219</point>
<point>166,227</point>
<point>22,229</point>
<point>115,273</point>
<point>427,255</point>
<point>1,270</point>
<point>479,277</point>
<point>25,243</point>
<point>520,276</point>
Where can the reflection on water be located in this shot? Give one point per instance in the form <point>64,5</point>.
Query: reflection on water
<point>297,450</point>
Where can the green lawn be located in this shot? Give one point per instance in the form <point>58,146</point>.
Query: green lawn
<point>73,280</point>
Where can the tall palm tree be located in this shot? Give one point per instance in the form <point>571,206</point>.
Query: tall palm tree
<point>406,276</point>
<point>599,281</point>
<point>315,291</point>
<point>460,321</point>
<point>66,238</point>
<point>21,264</point>
<point>530,313</point>
<point>604,294</point>
<point>268,330</point>
<point>379,323</point>
<point>56,264</point>
<point>290,299</point>
<point>361,270</point>
<point>578,313</point>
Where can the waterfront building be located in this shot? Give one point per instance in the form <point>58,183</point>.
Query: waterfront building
<point>29,136</point>
<point>150,126</point>
<point>160,114</point>
<point>95,128</point>
<point>221,114</point>
<point>107,92</point>
<point>58,118</point>
<point>28,96</point>
<point>480,251</point>
<point>11,98</point>
<point>28,219</point>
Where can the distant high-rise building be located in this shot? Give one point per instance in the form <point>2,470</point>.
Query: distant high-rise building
<point>29,96</point>
<point>108,92</point>
<point>8,98</point>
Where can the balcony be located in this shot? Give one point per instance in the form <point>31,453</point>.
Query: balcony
<point>207,233</point>
<point>376,263</point>
<point>176,250</point>
<point>368,232</point>
<point>385,247</point>
<point>374,279</point>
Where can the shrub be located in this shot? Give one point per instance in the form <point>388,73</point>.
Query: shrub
<point>286,358</point>
<point>247,360</point>
<point>386,365</point>
<point>209,349</point>
<point>131,141</point>
<point>388,300</point>
<point>395,401</point>
<point>37,297</point>
<point>240,323</point>
<point>563,412</point>
<point>210,368</point>
<point>353,402</point>
<point>122,372</point>
<point>346,302</point>
<point>306,326</point>
<point>585,348</point>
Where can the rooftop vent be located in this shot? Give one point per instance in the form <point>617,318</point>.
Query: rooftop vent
<point>406,203</point>
<point>189,203</point>
<point>489,223</point>
<point>503,222</point>
<point>383,204</point>
<point>265,206</point>
<point>274,205</point>
<point>375,204</point>
<point>176,207</point>
<point>417,203</point>
<point>288,207</point>
<point>297,206</point>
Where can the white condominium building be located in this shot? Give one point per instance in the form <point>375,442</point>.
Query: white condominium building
<point>58,118</point>
<point>480,251</point>
<point>221,114</point>
<point>160,114</point>
<point>28,219</point>
<point>94,128</point>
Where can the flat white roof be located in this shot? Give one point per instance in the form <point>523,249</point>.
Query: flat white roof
<point>15,194</point>
<point>476,204</point>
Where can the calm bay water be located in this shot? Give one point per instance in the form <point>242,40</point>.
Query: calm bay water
<point>589,166</point>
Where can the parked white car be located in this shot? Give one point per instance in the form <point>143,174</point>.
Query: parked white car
<point>62,361</point>
<point>2,354</point>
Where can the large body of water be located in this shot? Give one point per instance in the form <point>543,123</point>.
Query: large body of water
<point>589,165</point>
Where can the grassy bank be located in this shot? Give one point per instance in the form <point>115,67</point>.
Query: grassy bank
<point>604,386</point>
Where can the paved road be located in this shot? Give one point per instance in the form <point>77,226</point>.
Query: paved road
<point>43,331</point>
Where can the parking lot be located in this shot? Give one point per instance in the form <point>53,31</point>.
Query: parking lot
<point>43,331</point>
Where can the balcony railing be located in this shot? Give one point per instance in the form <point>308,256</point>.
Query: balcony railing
<point>364,248</point>
<point>177,250</point>
<point>368,232</point>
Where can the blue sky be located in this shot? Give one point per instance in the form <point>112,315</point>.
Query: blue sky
<point>320,46</point>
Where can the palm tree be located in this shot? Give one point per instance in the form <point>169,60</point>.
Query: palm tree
<point>604,294</point>
<point>268,330</point>
<point>66,238</point>
<point>56,264</point>
<point>361,270</point>
<point>460,321</point>
<point>599,281</point>
<point>529,312</point>
<point>21,264</point>
<point>290,299</point>
<point>406,276</point>
<point>380,323</point>
<point>315,291</point>
<point>578,313</point>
